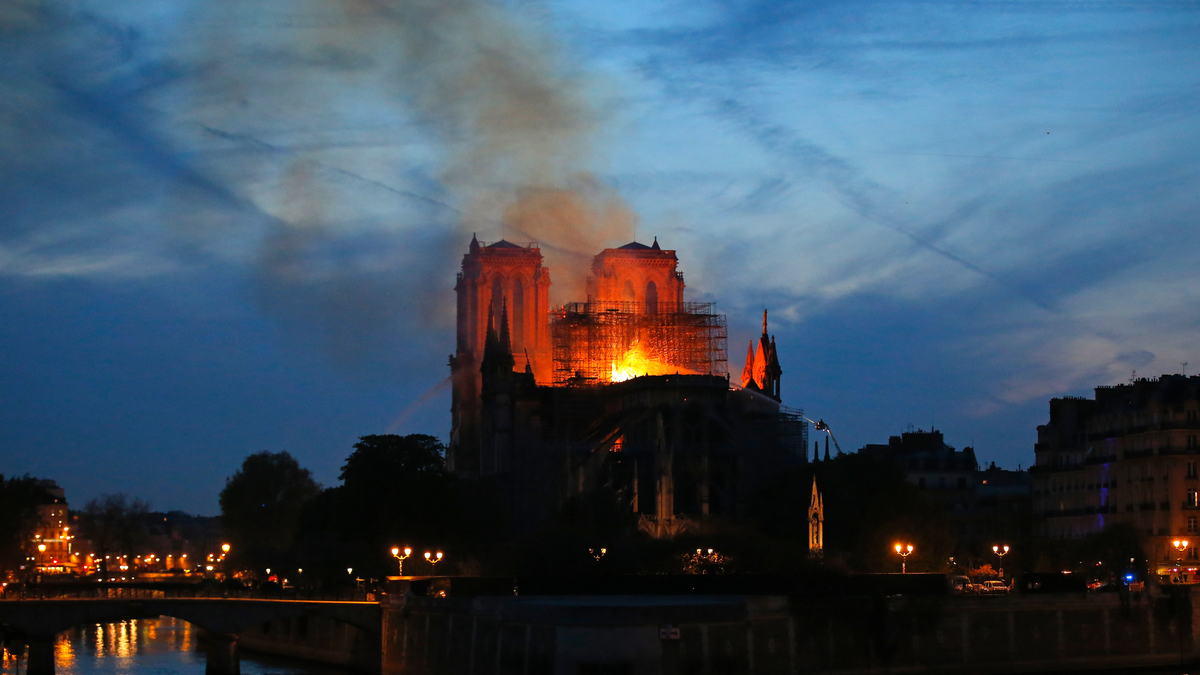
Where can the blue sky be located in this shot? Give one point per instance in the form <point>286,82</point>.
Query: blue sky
<point>228,227</point>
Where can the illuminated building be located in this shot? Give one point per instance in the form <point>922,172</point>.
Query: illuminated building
<point>1129,455</point>
<point>626,393</point>
<point>52,539</point>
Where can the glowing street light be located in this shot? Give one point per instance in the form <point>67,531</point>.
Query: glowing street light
<point>433,559</point>
<point>1180,546</point>
<point>401,558</point>
<point>904,550</point>
<point>1001,551</point>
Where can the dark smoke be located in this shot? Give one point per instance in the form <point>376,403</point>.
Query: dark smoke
<point>346,149</point>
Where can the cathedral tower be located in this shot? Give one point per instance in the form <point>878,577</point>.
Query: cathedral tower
<point>645,276</point>
<point>497,280</point>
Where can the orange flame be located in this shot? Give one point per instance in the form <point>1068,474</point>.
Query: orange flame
<point>635,362</point>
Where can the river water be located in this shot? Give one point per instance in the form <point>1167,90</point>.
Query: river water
<point>162,646</point>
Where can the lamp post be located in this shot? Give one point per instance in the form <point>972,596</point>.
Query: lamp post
<point>904,550</point>
<point>1180,546</point>
<point>1001,551</point>
<point>401,558</point>
<point>433,559</point>
<point>224,565</point>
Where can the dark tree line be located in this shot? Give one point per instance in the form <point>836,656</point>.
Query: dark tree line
<point>393,491</point>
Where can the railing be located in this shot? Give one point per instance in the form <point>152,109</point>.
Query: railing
<point>73,592</point>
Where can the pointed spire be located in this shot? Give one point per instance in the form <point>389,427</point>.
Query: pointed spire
<point>764,323</point>
<point>489,341</point>
<point>505,340</point>
<point>816,451</point>
<point>655,245</point>
<point>748,371</point>
<point>474,243</point>
<point>528,365</point>
<point>760,363</point>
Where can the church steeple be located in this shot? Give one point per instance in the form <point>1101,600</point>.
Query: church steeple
<point>766,364</point>
<point>816,522</point>
<point>748,371</point>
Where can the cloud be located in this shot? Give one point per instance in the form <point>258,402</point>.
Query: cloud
<point>341,149</point>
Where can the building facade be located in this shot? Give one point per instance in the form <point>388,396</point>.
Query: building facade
<point>984,507</point>
<point>1128,455</point>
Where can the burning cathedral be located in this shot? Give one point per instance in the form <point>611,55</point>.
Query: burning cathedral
<point>627,393</point>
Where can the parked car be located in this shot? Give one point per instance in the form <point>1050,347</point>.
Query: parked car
<point>960,584</point>
<point>994,587</point>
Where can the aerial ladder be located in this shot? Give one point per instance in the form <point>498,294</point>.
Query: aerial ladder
<point>820,425</point>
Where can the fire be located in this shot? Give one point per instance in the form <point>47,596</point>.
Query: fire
<point>635,362</point>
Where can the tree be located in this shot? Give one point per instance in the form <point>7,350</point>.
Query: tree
<point>19,500</point>
<point>115,524</point>
<point>261,505</point>
<point>395,491</point>
<point>377,459</point>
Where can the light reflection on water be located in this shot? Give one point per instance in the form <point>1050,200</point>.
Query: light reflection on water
<point>162,646</point>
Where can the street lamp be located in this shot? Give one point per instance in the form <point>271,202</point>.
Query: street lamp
<point>401,558</point>
<point>1001,551</point>
<point>224,565</point>
<point>433,559</point>
<point>904,550</point>
<point>1180,546</point>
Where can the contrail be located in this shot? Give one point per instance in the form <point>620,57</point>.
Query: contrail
<point>250,140</point>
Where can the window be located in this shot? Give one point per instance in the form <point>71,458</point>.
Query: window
<point>497,299</point>
<point>651,298</point>
<point>1191,524</point>
<point>1192,499</point>
<point>1192,553</point>
<point>517,315</point>
<point>1191,470</point>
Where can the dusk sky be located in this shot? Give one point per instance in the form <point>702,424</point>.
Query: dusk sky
<point>229,226</point>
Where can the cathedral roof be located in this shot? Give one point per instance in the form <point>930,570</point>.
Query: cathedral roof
<point>504,244</point>
<point>638,246</point>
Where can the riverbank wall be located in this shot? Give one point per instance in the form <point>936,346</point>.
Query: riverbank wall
<point>731,634</point>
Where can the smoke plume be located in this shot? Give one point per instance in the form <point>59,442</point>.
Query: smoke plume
<point>344,149</point>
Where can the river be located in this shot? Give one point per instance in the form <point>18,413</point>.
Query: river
<point>162,646</point>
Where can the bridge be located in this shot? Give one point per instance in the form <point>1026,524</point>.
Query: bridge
<point>223,619</point>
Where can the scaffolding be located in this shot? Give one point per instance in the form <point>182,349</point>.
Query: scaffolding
<point>591,337</point>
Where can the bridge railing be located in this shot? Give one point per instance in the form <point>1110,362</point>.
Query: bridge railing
<point>149,593</point>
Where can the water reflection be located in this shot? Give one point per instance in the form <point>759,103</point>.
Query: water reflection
<point>161,646</point>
